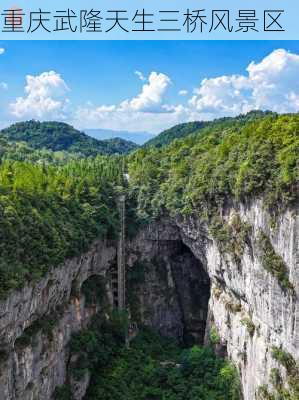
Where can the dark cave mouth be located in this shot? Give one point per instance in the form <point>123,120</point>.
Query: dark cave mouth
<point>178,309</point>
<point>194,286</point>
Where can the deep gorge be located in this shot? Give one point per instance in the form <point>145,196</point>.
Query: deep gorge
<point>182,282</point>
<point>211,255</point>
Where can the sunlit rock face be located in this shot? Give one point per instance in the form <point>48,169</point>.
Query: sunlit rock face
<point>37,322</point>
<point>248,307</point>
<point>204,288</point>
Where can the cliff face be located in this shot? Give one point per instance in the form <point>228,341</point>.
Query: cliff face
<point>250,308</point>
<point>237,278</point>
<point>36,324</point>
<point>244,270</point>
<point>167,287</point>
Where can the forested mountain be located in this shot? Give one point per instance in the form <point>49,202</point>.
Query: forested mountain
<point>198,172</point>
<point>58,136</point>
<point>203,127</point>
<point>203,172</point>
<point>176,132</point>
<point>49,213</point>
<point>20,151</point>
<point>135,137</point>
<point>55,203</point>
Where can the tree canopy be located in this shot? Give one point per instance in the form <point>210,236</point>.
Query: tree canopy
<point>53,204</point>
<point>58,136</point>
<point>205,172</point>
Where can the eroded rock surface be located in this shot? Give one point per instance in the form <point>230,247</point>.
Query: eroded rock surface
<point>182,281</point>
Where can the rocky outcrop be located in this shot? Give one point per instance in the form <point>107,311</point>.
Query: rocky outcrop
<point>252,307</point>
<point>167,287</point>
<point>235,279</point>
<point>36,324</point>
<point>254,291</point>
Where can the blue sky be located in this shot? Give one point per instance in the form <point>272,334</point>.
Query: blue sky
<point>144,85</point>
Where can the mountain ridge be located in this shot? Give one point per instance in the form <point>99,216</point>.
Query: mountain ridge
<point>104,134</point>
<point>204,127</point>
<point>59,136</point>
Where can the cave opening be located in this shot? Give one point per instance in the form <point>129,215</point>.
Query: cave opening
<point>168,290</point>
<point>193,287</point>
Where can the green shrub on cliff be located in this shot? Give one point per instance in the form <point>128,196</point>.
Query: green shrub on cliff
<point>273,262</point>
<point>284,389</point>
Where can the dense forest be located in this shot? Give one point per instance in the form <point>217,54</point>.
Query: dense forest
<point>203,127</point>
<point>54,204</point>
<point>50,213</point>
<point>153,368</point>
<point>58,136</point>
<point>204,172</point>
<point>58,194</point>
<point>20,151</point>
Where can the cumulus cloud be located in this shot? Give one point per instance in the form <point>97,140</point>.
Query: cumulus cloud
<point>2,50</point>
<point>151,97</point>
<point>270,84</point>
<point>114,117</point>
<point>183,92</point>
<point>146,111</point>
<point>44,97</point>
<point>224,94</point>
<point>140,75</point>
<point>275,83</point>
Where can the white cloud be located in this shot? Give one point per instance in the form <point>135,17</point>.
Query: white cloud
<point>2,50</point>
<point>114,117</point>
<point>140,75</point>
<point>275,81</point>
<point>183,92</point>
<point>225,94</point>
<point>151,97</point>
<point>271,84</point>
<point>44,97</point>
<point>146,111</point>
<point>3,85</point>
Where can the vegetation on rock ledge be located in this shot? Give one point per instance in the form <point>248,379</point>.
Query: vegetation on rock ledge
<point>152,368</point>
<point>273,262</point>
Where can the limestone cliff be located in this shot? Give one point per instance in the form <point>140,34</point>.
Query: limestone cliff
<point>251,307</point>
<point>167,288</point>
<point>236,276</point>
<point>250,260</point>
<point>36,324</point>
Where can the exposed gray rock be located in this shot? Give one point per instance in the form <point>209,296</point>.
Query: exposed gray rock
<point>187,285</point>
<point>37,357</point>
<point>168,290</point>
<point>273,311</point>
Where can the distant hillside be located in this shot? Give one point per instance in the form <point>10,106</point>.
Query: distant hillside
<point>201,127</point>
<point>175,132</point>
<point>136,137</point>
<point>58,136</point>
